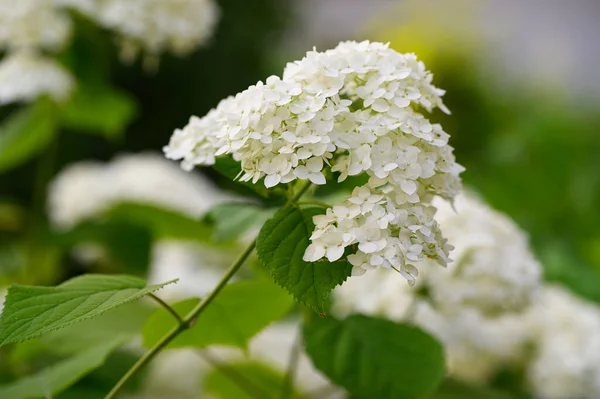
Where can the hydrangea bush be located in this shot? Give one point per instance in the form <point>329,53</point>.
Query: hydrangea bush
<point>371,272</point>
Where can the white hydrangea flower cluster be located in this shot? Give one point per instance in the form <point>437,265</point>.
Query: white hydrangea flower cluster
<point>468,306</point>
<point>380,293</point>
<point>494,269</point>
<point>25,75</point>
<point>156,26</point>
<point>28,27</point>
<point>355,108</point>
<point>566,363</point>
<point>33,24</point>
<point>87,189</point>
<point>477,346</point>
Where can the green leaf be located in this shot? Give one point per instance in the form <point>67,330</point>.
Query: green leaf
<point>27,132</point>
<point>375,358</point>
<point>61,375</point>
<point>281,245</point>
<point>100,109</point>
<point>127,244</point>
<point>126,320</point>
<point>245,381</point>
<point>163,223</point>
<point>30,311</point>
<point>454,389</point>
<point>238,313</point>
<point>231,221</point>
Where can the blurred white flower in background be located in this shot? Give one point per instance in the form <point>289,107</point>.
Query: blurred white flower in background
<point>25,76</point>
<point>151,26</point>
<point>156,26</point>
<point>476,306</point>
<point>198,268</point>
<point>33,24</point>
<point>476,345</point>
<point>275,345</point>
<point>493,268</point>
<point>176,373</point>
<point>354,109</point>
<point>180,373</point>
<point>87,189</point>
<point>566,361</point>
<point>380,292</point>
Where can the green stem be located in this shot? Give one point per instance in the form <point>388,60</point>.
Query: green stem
<point>314,202</point>
<point>167,307</point>
<point>290,374</point>
<point>189,320</point>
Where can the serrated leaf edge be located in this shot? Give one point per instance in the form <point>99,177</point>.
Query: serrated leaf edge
<point>8,339</point>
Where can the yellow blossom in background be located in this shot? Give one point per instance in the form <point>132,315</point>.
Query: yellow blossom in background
<point>441,32</point>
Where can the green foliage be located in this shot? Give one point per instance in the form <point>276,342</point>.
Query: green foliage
<point>375,358</point>
<point>562,267</point>
<point>245,381</point>
<point>30,311</point>
<point>163,223</point>
<point>232,220</point>
<point>61,375</point>
<point>121,324</point>
<point>281,245</point>
<point>99,109</point>
<point>124,321</point>
<point>238,313</point>
<point>27,132</point>
<point>127,244</point>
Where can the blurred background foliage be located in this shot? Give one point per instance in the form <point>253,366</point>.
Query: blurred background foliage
<point>117,108</point>
<point>528,148</point>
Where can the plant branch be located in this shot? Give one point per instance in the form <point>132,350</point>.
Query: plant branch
<point>167,307</point>
<point>189,320</point>
<point>288,379</point>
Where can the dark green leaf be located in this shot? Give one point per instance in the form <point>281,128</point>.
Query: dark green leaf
<point>163,223</point>
<point>26,133</point>
<point>99,109</point>
<point>238,313</point>
<point>126,243</point>
<point>375,358</point>
<point>61,375</point>
<point>245,381</point>
<point>30,311</point>
<point>281,245</point>
<point>231,221</point>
